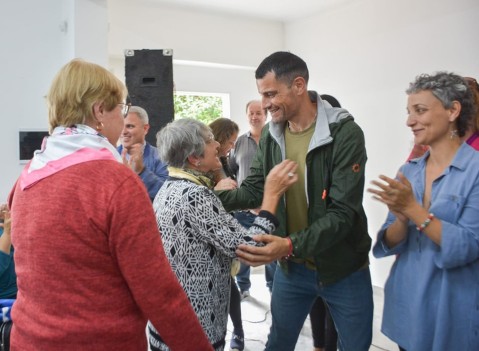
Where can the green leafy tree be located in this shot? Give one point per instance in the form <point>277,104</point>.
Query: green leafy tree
<point>203,108</point>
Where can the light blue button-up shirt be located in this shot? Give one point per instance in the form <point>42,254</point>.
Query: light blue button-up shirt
<point>432,293</point>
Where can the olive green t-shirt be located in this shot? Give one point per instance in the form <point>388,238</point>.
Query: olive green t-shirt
<point>296,204</point>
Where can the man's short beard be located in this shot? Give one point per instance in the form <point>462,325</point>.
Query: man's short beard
<point>279,120</point>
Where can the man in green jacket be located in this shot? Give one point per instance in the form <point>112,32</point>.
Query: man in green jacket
<point>322,243</point>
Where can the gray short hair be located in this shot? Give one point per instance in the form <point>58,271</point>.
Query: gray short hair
<point>180,139</point>
<point>447,88</point>
<point>141,112</point>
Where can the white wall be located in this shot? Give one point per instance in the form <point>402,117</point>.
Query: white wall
<point>38,37</point>
<point>366,52</point>
<point>90,31</point>
<point>196,36</point>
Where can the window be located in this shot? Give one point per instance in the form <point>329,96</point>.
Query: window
<point>205,107</point>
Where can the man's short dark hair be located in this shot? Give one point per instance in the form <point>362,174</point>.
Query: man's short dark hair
<point>285,65</point>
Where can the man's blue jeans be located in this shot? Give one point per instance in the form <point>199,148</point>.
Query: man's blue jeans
<point>244,283</point>
<point>246,219</point>
<point>350,302</point>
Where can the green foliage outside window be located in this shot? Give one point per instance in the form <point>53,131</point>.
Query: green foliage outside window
<point>203,108</point>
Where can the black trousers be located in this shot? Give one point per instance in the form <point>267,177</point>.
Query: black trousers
<point>235,306</point>
<point>322,326</point>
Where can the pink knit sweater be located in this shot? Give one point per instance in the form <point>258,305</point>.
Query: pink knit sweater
<point>91,266</point>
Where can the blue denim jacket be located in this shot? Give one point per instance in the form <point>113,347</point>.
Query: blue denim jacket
<point>432,293</point>
<point>155,172</point>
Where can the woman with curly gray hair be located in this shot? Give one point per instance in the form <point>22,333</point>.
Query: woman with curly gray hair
<point>431,293</point>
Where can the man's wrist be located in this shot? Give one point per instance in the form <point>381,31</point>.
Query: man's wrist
<point>290,248</point>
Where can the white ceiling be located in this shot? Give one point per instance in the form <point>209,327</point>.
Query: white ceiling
<point>278,10</point>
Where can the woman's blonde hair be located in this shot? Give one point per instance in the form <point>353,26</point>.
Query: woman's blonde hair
<point>76,88</point>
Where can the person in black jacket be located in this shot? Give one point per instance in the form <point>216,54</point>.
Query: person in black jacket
<point>322,241</point>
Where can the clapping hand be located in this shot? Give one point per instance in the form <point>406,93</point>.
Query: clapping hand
<point>135,161</point>
<point>397,194</point>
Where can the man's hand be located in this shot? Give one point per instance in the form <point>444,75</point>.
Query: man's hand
<point>136,158</point>
<point>5,238</point>
<point>226,184</point>
<point>275,248</point>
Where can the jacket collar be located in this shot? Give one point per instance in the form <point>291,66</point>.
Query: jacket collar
<point>322,133</point>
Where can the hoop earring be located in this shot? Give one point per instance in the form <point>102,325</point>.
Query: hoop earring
<point>99,126</point>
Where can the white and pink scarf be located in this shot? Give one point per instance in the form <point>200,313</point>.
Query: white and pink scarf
<point>66,147</point>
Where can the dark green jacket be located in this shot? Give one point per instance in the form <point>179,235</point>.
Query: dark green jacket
<point>336,236</point>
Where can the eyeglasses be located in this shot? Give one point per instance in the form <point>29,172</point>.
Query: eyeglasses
<point>125,108</point>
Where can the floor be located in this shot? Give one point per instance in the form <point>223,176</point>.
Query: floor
<point>257,319</point>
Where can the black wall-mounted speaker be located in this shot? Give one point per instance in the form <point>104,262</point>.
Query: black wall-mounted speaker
<point>149,79</point>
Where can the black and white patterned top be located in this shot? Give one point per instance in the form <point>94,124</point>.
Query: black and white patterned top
<point>200,239</point>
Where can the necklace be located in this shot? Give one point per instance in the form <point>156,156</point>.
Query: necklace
<point>294,129</point>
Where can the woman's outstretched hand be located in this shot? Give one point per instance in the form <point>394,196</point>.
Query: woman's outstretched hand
<point>280,178</point>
